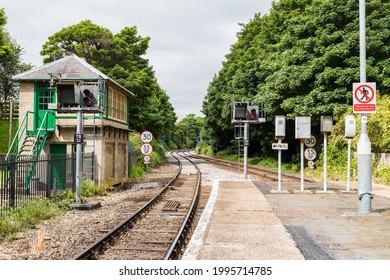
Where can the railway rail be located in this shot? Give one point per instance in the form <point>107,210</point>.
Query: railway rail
<point>160,229</point>
<point>265,174</point>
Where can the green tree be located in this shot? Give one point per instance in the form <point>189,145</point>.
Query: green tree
<point>121,57</point>
<point>4,48</point>
<point>10,65</point>
<point>302,58</point>
<point>190,127</point>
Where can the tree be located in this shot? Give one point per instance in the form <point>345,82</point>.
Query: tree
<point>4,48</point>
<point>10,65</point>
<point>121,57</point>
<point>190,127</point>
<point>302,58</point>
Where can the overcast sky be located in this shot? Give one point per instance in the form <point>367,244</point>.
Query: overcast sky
<point>189,38</point>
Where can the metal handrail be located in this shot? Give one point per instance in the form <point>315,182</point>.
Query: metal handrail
<point>42,130</point>
<point>23,127</point>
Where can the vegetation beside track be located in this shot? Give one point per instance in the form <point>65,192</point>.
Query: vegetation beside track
<point>28,216</point>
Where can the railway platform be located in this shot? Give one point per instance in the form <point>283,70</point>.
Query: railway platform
<point>239,224</point>
<point>249,220</point>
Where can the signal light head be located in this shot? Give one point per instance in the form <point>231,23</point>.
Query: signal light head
<point>253,114</point>
<point>87,98</point>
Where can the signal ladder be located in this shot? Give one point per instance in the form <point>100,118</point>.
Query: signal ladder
<point>239,136</point>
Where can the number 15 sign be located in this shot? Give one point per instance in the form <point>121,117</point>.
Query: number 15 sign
<point>364,98</point>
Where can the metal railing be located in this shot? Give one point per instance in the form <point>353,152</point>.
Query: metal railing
<point>51,173</point>
<point>20,135</point>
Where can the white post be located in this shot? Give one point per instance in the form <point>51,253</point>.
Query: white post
<point>349,165</point>
<point>364,144</point>
<point>302,164</point>
<point>325,160</point>
<point>279,166</point>
<point>79,147</point>
<point>246,144</point>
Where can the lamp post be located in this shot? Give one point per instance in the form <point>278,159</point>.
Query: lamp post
<point>364,144</point>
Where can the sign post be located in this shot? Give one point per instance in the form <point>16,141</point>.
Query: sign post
<point>364,97</point>
<point>326,127</point>
<point>350,132</point>
<point>280,133</point>
<point>302,132</point>
<point>79,156</point>
<point>146,148</point>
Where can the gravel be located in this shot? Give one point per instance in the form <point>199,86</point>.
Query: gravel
<point>63,236</point>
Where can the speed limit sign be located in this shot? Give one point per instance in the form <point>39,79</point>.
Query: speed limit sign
<point>146,136</point>
<point>146,149</point>
<point>310,154</point>
<point>310,142</point>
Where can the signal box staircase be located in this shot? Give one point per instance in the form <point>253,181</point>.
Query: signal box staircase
<point>25,150</point>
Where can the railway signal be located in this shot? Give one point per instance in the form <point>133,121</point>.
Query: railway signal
<point>246,113</point>
<point>253,113</point>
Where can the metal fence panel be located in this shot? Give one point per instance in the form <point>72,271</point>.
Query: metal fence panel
<point>23,179</point>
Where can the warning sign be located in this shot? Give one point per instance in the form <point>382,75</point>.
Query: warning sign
<point>364,98</point>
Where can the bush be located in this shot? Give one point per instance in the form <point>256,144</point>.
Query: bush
<point>137,171</point>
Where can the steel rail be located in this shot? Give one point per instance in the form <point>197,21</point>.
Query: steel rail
<point>251,168</point>
<point>88,252</point>
<point>181,236</point>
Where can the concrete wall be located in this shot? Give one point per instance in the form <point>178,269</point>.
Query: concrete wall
<point>26,102</point>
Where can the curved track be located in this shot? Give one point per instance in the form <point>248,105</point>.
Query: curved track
<point>265,174</point>
<point>160,229</point>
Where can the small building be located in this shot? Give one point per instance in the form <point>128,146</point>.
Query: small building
<point>50,96</point>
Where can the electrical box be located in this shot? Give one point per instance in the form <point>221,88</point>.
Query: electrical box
<point>302,127</point>
<point>280,126</point>
<point>326,123</point>
<point>350,126</point>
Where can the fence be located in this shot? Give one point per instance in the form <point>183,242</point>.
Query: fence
<point>9,109</point>
<point>23,179</point>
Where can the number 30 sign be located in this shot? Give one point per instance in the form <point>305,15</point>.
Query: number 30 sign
<point>146,136</point>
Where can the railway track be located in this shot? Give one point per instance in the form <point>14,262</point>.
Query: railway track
<point>261,172</point>
<point>160,229</point>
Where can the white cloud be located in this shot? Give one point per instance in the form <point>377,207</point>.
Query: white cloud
<point>189,38</point>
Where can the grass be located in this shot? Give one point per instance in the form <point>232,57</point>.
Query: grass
<point>4,133</point>
<point>27,216</point>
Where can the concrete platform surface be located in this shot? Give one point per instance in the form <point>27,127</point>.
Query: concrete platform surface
<point>239,224</point>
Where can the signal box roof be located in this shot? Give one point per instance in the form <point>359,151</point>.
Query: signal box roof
<point>71,68</point>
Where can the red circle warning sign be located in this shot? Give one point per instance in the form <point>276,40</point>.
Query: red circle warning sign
<point>364,98</point>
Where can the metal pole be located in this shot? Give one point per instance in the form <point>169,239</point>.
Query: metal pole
<point>364,144</point>
<point>280,166</point>
<point>302,164</point>
<point>11,109</point>
<point>349,165</point>
<point>325,160</point>
<point>246,144</point>
<point>79,156</point>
